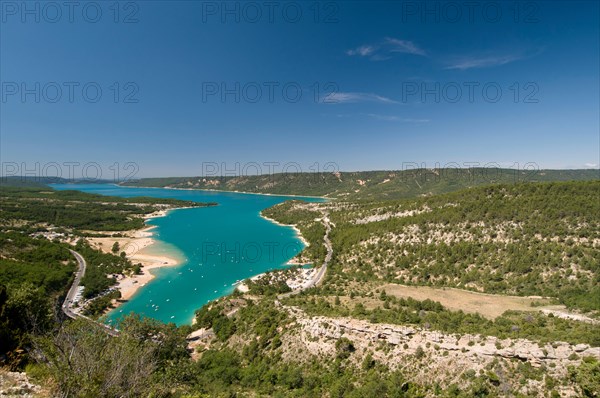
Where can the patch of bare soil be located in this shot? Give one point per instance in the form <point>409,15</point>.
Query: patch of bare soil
<point>489,306</point>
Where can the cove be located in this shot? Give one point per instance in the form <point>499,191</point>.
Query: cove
<point>218,246</point>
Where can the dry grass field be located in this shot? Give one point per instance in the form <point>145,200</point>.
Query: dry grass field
<point>489,306</point>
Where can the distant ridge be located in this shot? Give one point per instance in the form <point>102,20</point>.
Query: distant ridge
<point>368,185</point>
<point>37,181</point>
<point>30,181</point>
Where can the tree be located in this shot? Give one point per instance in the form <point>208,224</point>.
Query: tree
<point>587,376</point>
<point>344,348</point>
<point>115,247</point>
<point>85,361</point>
<point>368,362</point>
<point>23,311</point>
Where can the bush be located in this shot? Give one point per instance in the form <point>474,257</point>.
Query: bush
<point>587,376</point>
<point>344,348</point>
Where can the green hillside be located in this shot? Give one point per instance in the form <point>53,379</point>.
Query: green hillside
<point>369,185</point>
<point>31,204</point>
<point>519,239</point>
<point>36,266</point>
<point>514,238</point>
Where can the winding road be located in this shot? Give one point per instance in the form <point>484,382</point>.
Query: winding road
<point>318,277</point>
<point>69,299</point>
<point>82,265</point>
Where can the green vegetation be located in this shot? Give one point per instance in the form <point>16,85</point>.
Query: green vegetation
<point>152,361</point>
<point>36,261</point>
<point>369,185</point>
<point>259,356</point>
<point>36,268</point>
<point>520,239</point>
<point>226,372</point>
<point>587,376</point>
<point>78,210</point>
<point>83,361</point>
<point>97,277</point>
<point>271,284</point>
<point>35,273</point>
<point>257,367</point>
<point>25,311</point>
<point>98,306</point>
<point>305,219</point>
<point>517,238</point>
<point>432,315</point>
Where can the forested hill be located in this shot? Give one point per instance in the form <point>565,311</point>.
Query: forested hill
<point>519,239</point>
<point>369,185</point>
<point>38,226</point>
<point>30,204</point>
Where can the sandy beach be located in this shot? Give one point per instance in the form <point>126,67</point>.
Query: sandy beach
<point>133,244</point>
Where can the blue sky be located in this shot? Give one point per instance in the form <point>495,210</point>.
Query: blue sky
<point>346,85</point>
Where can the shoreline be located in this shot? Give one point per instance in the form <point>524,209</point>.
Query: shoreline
<point>295,282</point>
<point>225,191</point>
<point>243,288</point>
<point>293,226</point>
<point>133,243</point>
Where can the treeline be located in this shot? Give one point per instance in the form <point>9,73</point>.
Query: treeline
<point>500,268</point>
<point>100,269</point>
<point>78,359</point>
<point>523,239</point>
<point>79,210</point>
<point>369,185</point>
<point>34,275</point>
<point>35,272</point>
<point>153,361</point>
<point>305,220</point>
<point>256,367</point>
<point>255,352</point>
<point>566,204</point>
<point>36,261</point>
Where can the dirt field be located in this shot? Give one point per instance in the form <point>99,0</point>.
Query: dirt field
<point>490,306</point>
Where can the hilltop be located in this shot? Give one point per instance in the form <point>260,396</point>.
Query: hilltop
<point>527,249</point>
<point>368,185</point>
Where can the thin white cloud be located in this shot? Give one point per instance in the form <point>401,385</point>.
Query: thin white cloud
<point>363,51</point>
<point>385,49</point>
<point>591,165</point>
<point>491,60</point>
<point>483,62</point>
<point>344,98</point>
<point>403,46</point>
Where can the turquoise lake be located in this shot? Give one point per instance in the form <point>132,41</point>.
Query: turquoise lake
<point>217,246</point>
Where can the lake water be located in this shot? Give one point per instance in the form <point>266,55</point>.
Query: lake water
<point>217,246</point>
